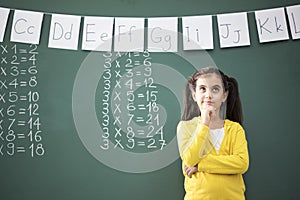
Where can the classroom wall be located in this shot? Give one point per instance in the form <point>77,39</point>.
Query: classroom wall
<point>61,160</point>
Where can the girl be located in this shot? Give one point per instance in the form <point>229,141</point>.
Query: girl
<point>211,140</point>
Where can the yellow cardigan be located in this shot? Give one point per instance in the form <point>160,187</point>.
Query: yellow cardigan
<point>219,174</point>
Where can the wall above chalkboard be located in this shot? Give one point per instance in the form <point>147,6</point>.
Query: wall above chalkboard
<point>125,34</point>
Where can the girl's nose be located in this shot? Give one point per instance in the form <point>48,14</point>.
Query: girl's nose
<point>208,94</point>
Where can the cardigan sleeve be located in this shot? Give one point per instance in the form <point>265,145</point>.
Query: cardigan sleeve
<point>193,141</point>
<point>235,163</point>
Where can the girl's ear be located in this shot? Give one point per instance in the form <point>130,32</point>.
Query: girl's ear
<point>225,96</point>
<point>194,96</point>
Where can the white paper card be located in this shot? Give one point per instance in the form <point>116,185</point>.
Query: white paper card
<point>64,31</point>
<point>162,34</point>
<point>97,33</point>
<point>197,32</point>
<point>129,35</point>
<point>3,21</point>
<point>26,27</point>
<point>293,13</point>
<point>271,25</point>
<point>233,30</point>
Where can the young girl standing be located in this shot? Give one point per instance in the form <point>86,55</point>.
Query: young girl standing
<point>211,140</point>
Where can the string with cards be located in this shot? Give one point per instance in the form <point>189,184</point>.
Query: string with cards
<point>129,32</point>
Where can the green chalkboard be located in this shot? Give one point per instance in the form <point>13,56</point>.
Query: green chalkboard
<point>56,141</point>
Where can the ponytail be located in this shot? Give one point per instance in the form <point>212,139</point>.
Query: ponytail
<point>233,104</point>
<point>191,108</point>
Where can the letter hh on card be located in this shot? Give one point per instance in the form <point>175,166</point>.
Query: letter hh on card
<point>26,27</point>
<point>64,31</point>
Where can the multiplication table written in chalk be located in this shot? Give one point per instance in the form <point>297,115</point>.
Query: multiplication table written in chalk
<point>127,103</point>
<point>21,130</point>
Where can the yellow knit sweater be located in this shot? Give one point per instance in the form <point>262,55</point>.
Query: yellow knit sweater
<point>219,174</point>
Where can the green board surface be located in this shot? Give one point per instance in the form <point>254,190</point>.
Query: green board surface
<point>60,162</point>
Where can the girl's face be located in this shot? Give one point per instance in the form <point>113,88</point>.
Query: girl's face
<point>209,91</point>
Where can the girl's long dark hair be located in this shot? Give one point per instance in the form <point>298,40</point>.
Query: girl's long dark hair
<point>233,102</point>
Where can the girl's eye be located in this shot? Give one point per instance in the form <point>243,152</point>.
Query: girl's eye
<point>215,90</point>
<point>202,89</point>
